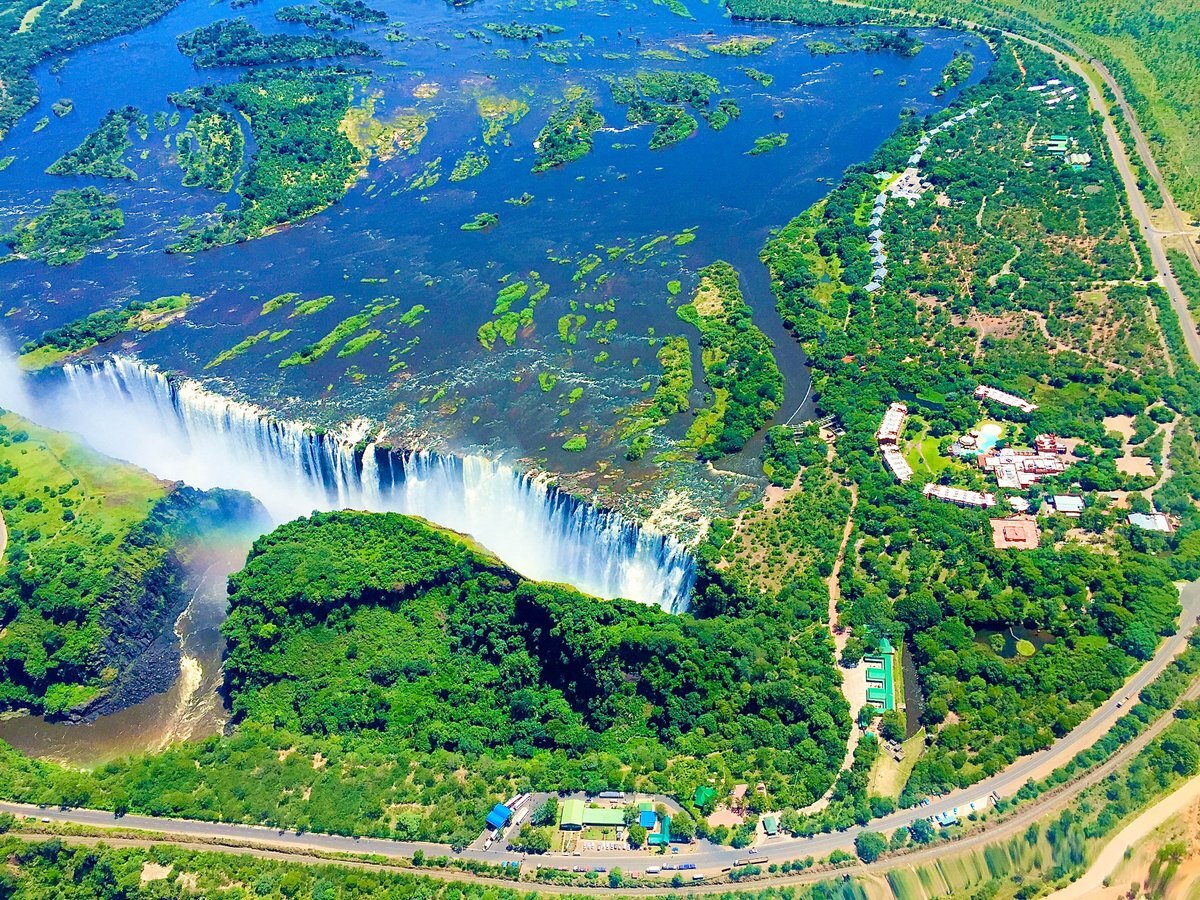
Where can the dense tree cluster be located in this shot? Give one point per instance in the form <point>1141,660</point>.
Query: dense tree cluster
<point>211,150</point>
<point>478,661</point>
<point>235,42</point>
<point>672,101</point>
<point>357,10</point>
<point>302,160</point>
<point>391,679</point>
<point>568,135</point>
<point>926,572</point>
<point>75,221</point>
<point>314,17</point>
<point>101,152</point>
<point>738,363</point>
<point>91,574</point>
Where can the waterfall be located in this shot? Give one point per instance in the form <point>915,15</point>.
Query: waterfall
<point>179,430</point>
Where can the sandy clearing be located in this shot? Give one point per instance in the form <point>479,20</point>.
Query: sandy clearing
<point>1135,465</point>
<point>1122,425</point>
<point>30,17</point>
<point>1091,883</point>
<point>152,871</point>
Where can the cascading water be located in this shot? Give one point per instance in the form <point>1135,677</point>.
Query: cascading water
<point>181,431</point>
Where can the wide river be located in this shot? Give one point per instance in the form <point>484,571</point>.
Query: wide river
<point>428,375</point>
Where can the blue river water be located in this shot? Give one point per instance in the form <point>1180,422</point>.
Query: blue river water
<point>382,242</point>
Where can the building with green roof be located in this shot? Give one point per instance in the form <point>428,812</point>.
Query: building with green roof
<point>576,816</point>
<point>572,815</point>
<point>662,837</point>
<point>881,688</point>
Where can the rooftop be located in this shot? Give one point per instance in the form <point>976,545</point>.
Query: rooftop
<point>1068,503</point>
<point>960,496</point>
<point>986,392</point>
<point>1150,521</point>
<point>1015,533</point>
<point>898,465</point>
<point>499,816</point>
<point>892,424</point>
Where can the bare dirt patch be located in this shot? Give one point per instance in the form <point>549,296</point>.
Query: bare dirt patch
<point>1122,425</point>
<point>152,871</point>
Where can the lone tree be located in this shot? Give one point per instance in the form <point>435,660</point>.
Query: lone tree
<point>921,831</point>
<point>547,813</point>
<point>869,845</point>
<point>637,836</point>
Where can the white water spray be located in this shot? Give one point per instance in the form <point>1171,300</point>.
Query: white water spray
<point>179,430</point>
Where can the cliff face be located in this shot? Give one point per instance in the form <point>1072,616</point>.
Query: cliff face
<point>151,588</point>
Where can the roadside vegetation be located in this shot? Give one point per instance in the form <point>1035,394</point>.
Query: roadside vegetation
<point>1148,48</point>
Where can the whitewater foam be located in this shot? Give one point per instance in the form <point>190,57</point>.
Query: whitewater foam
<point>179,430</point>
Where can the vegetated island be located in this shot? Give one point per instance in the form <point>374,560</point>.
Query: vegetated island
<point>235,42</point>
<point>738,365</point>
<point>310,145</point>
<point>98,327</point>
<point>101,152</point>
<point>75,221</point>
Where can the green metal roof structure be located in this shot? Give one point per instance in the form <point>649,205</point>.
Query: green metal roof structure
<point>603,818</point>
<point>703,794</point>
<point>572,815</point>
<point>577,816</point>
<point>881,688</point>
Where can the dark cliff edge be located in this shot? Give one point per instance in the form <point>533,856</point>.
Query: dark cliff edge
<point>140,647</point>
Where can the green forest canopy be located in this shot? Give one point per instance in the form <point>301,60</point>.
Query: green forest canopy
<point>409,636</point>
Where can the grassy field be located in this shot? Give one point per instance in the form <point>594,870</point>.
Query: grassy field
<point>888,777</point>
<point>112,496</point>
<point>923,455</point>
<point>68,512</point>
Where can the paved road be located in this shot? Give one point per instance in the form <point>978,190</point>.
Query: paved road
<point>707,859</point>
